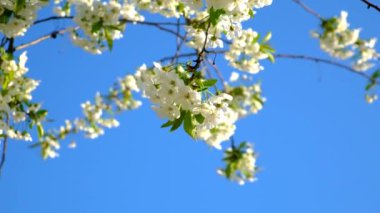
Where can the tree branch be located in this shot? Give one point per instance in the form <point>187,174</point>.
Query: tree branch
<point>325,61</point>
<point>287,56</point>
<point>52,18</point>
<point>200,54</point>
<point>308,9</point>
<point>4,150</point>
<point>370,4</point>
<point>53,35</point>
<point>4,153</point>
<point>218,73</point>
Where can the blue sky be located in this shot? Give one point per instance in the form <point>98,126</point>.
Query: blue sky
<point>317,138</point>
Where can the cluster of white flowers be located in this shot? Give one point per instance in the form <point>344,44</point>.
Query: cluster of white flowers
<point>167,8</point>
<point>366,53</point>
<point>337,39</point>
<point>239,6</point>
<point>341,42</point>
<point>100,22</point>
<point>167,91</point>
<point>172,99</point>
<point>226,18</point>
<point>179,93</point>
<point>245,51</point>
<point>241,164</point>
<point>247,99</point>
<point>16,16</point>
<point>219,122</point>
<point>97,116</point>
<point>197,32</point>
<point>15,97</point>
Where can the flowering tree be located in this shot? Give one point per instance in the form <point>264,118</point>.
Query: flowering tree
<point>180,87</point>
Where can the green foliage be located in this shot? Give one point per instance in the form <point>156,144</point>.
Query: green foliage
<point>214,15</point>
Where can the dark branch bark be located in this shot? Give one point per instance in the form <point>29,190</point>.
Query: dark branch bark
<point>370,4</point>
<point>52,18</point>
<point>4,150</point>
<point>4,153</point>
<point>287,56</point>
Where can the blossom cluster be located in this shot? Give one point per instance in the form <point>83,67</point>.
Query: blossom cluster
<point>177,96</point>
<point>219,19</point>
<point>96,116</point>
<point>16,16</point>
<point>16,104</point>
<point>341,42</point>
<point>240,163</point>
<point>99,23</point>
<point>179,92</point>
<point>247,100</point>
<point>245,51</point>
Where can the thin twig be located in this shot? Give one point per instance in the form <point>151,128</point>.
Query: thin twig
<point>4,150</point>
<point>200,54</point>
<point>52,18</point>
<point>178,49</point>
<point>308,9</point>
<point>325,61</point>
<point>121,20</point>
<point>370,4</point>
<point>4,153</point>
<point>53,35</point>
<point>288,56</point>
<point>218,73</point>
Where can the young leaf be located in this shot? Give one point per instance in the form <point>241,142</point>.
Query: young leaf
<point>188,124</point>
<point>19,5</point>
<point>177,123</point>
<point>40,130</point>
<point>215,14</point>
<point>199,117</point>
<point>97,26</point>
<point>108,38</point>
<point>167,124</point>
<point>271,57</point>
<point>209,83</point>
<point>267,37</point>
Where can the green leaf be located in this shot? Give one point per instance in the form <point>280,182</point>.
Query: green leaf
<point>242,145</point>
<point>108,38</point>
<point>266,48</point>
<point>375,75</point>
<point>369,86</point>
<point>20,4</point>
<point>199,117</point>
<point>256,39</point>
<point>180,7</point>
<point>214,15</point>
<point>40,130</point>
<point>35,145</point>
<point>97,26</point>
<point>188,124</point>
<point>66,6</point>
<point>42,113</point>
<point>267,37</point>
<point>209,82</point>
<point>229,171</point>
<point>177,123</point>
<point>167,124</point>
<point>6,16</point>
<point>251,13</point>
<point>271,57</point>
